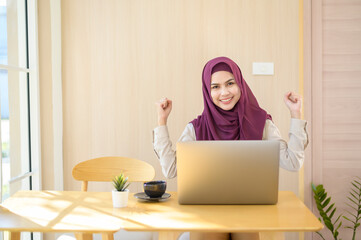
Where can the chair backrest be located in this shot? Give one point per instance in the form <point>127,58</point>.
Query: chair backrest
<point>104,169</point>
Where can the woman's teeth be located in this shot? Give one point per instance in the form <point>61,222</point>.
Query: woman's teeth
<point>226,100</point>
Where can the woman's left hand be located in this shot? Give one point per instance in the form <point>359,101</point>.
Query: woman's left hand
<point>294,103</point>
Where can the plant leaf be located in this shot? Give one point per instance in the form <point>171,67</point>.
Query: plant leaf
<point>355,185</point>
<point>349,220</point>
<point>323,197</point>
<point>351,206</point>
<point>119,182</point>
<point>124,188</point>
<point>328,224</point>
<point>351,214</point>
<point>321,193</point>
<point>339,226</point>
<point>354,196</point>
<point>338,218</point>
<point>332,213</point>
<point>319,188</point>
<point>352,201</point>
<point>355,191</point>
<point>327,201</point>
<point>325,217</point>
<point>320,235</point>
<point>330,208</point>
<point>319,206</point>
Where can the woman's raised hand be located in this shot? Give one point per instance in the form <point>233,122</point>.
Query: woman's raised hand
<point>294,103</point>
<point>164,107</point>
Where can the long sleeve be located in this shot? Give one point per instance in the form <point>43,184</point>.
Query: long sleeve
<point>163,148</point>
<point>292,154</point>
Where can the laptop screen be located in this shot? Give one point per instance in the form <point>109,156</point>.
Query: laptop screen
<point>228,172</point>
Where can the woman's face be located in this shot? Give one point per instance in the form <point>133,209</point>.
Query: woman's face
<point>224,90</point>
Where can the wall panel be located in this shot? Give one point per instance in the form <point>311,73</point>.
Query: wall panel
<point>336,89</point>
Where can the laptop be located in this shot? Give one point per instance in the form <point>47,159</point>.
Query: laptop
<point>228,172</point>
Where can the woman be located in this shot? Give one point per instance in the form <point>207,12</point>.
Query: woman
<point>231,112</point>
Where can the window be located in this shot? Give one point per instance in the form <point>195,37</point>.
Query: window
<point>19,111</point>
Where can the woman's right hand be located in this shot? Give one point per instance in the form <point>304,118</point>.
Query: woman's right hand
<point>164,107</point>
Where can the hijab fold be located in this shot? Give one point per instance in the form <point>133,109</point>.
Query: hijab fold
<point>245,121</point>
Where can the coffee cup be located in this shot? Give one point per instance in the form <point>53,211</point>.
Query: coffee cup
<point>155,189</point>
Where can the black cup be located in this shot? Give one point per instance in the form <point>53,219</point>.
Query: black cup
<point>155,189</point>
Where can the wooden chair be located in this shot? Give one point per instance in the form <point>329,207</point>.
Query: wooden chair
<point>103,169</point>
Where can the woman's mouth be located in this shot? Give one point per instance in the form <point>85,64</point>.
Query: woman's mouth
<point>226,100</point>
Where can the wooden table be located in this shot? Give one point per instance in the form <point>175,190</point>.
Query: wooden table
<point>92,212</point>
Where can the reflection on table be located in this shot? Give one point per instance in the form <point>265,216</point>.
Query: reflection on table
<point>92,212</point>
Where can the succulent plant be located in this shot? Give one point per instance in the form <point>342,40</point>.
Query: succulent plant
<point>120,182</point>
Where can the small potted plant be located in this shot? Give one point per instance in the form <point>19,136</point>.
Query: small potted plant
<point>120,193</point>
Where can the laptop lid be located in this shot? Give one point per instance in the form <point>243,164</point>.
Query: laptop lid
<point>228,172</point>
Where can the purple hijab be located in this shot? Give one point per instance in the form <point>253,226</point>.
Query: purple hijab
<point>245,121</point>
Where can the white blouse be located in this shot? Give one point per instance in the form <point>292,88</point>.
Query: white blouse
<point>292,154</point>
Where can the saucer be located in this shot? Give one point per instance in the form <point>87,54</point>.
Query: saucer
<point>143,196</point>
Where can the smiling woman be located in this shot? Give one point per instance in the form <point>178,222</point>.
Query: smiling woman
<point>231,112</point>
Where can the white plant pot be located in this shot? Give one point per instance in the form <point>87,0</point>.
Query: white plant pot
<point>120,199</point>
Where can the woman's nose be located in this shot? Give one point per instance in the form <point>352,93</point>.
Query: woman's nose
<point>224,91</point>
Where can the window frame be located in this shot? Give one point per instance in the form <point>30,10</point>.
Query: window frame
<point>32,71</point>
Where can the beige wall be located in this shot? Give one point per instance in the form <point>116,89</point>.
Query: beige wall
<point>119,57</point>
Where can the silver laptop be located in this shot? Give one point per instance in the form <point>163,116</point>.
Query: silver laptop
<point>228,172</point>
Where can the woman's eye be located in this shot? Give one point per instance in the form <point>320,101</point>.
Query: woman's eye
<point>230,83</point>
<point>214,87</point>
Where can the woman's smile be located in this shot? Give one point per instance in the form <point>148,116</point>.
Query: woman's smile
<point>226,101</point>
